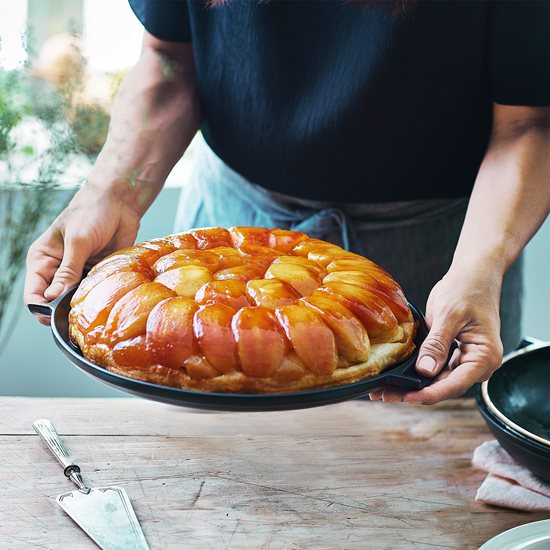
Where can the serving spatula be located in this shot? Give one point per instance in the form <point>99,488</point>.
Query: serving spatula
<point>104,513</point>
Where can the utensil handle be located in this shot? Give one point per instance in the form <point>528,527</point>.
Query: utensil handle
<point>41,309</point>
<point>47,308</point>
<point>46,430</point>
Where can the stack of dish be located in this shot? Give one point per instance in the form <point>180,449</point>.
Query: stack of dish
<point>515,403</point>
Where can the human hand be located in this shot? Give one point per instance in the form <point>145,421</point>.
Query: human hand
<point>96,222</point>
<point>462,307</point>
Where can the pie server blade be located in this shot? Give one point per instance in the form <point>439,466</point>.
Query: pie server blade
<point>104,513</point>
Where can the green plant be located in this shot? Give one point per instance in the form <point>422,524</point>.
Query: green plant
<point>40,142</point>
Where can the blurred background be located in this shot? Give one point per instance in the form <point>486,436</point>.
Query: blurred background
<point>61,62</point>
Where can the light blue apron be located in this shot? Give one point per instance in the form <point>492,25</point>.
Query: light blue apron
<point>413,240</point>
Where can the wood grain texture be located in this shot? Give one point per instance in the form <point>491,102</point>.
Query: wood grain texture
<point>353,475</point>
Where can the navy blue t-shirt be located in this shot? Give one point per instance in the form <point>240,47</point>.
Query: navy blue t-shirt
<point>342,101</point>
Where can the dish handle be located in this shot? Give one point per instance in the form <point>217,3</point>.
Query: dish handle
<point>408,378</point>
<point>47,308</point>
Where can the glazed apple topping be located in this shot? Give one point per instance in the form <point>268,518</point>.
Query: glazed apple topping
<point>261,344</point>
<point>211,237</point>
<point>311,338</point>
<point>169,331</point>
<point>246,301</point>
<point>212,326</point>
<point>181,258</point>
<point>185,280</point>
<point>230,292</point>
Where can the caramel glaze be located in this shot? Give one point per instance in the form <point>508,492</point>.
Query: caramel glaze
<point>244,309</point>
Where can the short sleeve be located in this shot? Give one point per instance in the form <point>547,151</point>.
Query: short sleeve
<point>165,19</point>
<point>519,52</point>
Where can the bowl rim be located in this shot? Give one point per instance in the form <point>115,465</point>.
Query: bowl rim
<point>506,430</point>
<point>497,412</point>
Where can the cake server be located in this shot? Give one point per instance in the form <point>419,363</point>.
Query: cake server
<point>104,513</point>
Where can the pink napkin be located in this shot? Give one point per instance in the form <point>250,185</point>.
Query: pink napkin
<point>509,484</point>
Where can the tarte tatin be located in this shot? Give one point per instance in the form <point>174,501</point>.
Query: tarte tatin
<point>247,309</point>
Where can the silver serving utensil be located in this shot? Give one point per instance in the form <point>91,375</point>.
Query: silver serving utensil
<point>104,513</point>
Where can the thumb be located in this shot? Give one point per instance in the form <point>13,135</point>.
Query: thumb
<point>75,254</point>
<point>435,349</point>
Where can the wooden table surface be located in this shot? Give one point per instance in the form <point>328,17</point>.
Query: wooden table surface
<point>352,475</point>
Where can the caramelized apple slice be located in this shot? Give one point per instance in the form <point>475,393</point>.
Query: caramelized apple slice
<point>181,258</point>
<point>170,336</point>
<point>162,246</point>
<point>290,369</point>
<point>285,240</point>
<point>146,254</point>
<point>211,237</point>
<point>227,257</point>
<point>260,343</point>
<point>199,368</point>
<point>249,235</point>
<point>241,272</point>
<point>351,337</point>
<point>212,325</point>
<point>375,315</point>
<point>133,353</point>
<point>355,267</point>
<point>303,247</point>
<point>312,340</point>
<point>359,263</point>
<point>186,280</point>
<point>309,245</point>
<point>364,266</point>
<point>128,317</point>
<point>94,336</point>
<point>255,253</point>
<point>117,264</point>
<point>94,309</point>
<point>271,293</point>
<point>314,267</point>
<point>327,253</point>
<point>183,240</point>
<point>390,294</point>
<point>230,292</point>
<point>322,252</point>
<point>300,278</point>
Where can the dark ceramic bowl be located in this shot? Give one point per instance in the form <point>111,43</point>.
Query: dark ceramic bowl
<point>515,403</point>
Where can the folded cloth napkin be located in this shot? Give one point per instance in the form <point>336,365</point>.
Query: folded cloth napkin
<point>509,484</point>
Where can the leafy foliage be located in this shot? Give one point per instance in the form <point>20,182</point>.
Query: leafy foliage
<point>42,134</point>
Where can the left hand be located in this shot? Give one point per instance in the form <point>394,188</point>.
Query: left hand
<point>463,306</point>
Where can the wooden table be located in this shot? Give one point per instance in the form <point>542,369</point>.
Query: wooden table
<point>353,475</point>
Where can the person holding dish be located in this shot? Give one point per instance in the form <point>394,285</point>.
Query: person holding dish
<point>416,133</point>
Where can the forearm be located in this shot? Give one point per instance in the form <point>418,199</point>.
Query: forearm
<point>155,115</point>
<point>510,200</point>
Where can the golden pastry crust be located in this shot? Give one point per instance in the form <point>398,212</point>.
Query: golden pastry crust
<point>241,310</point>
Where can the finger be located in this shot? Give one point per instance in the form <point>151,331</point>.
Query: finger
<point>393,395</point>
<point>76,252</point>
<point>37,279</point>
<point>434,351</point>
<point>41,266</point>
<point>35,285</point>
<point>452,384</point>
<point>487,356</point>
<point>44,320</point>
<point>376,395</point>
<point>456,358</point>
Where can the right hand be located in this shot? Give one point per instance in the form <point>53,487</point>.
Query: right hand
<point>96,222</point>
